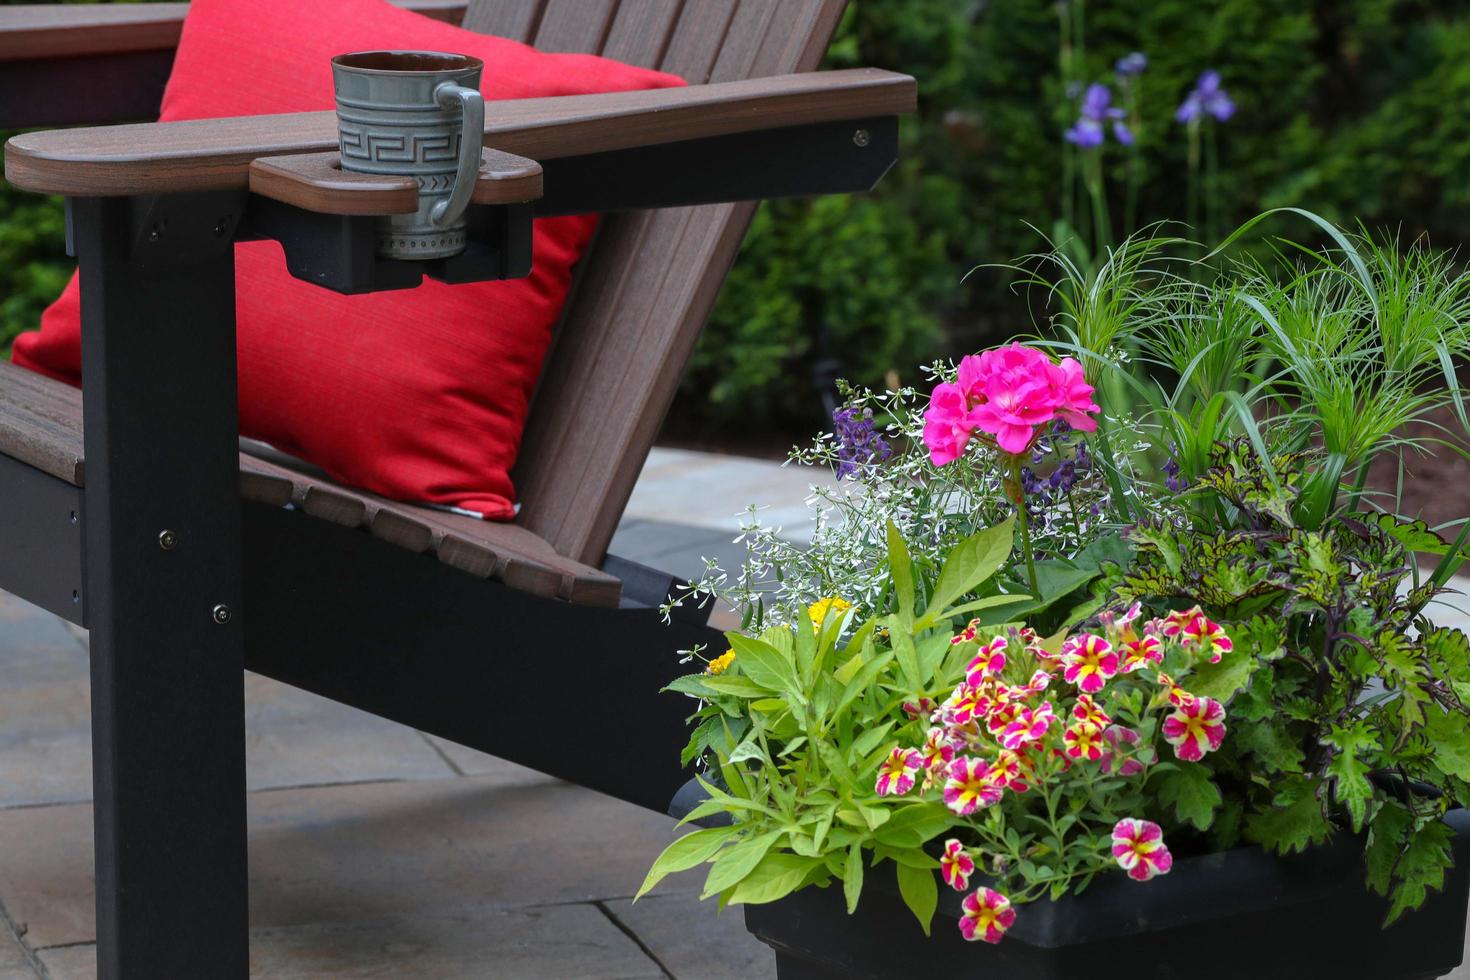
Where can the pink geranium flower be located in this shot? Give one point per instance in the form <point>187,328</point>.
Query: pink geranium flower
<point>896,774</point>
<point>947,424</point>
<point>1195,728</point>
<point>1139,849</point>
<point>1089,661</point>
<point>956,865</point>
<point>1010,393</point>
<point>970,786</point>
<point>987,915</point>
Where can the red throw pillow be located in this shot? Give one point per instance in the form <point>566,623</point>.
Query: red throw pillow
<point>418,394</point>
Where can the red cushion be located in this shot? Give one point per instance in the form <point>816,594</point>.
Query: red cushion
<point>419,394</point>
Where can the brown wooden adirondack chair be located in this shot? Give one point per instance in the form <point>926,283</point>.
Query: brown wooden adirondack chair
<point>190,561</point>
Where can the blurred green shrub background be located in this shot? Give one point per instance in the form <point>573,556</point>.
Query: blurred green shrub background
<point>1358,109</point>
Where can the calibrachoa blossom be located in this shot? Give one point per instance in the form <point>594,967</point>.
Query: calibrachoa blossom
<point>1139,849</point>
<point>970,786</point>
<point>1088,710</point>
<point>989,662</point>
<point>896,775</point>
<point>1195,728</point>
<point>1178,696</point>
<point>1029,725</point>
<point>1011,393</point>
<point>956,865</point>
<point>1142,652</point>
<point>987,915</point>
<point>937,752</point>
<point>1117,737</point>
<point>1013,771</point>
<point>1089,661</point>
<point>1084,741</point>
<point>1203,634</point>
<point>966,704</point>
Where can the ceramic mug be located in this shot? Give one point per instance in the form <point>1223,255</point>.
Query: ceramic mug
<point>414,114</point>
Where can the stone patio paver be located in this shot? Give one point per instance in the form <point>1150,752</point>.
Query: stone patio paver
<point>676,927</point>
<point>14,964</point>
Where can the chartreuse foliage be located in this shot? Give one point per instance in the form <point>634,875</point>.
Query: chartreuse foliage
<point>1347,705</point>
<point>796,730</point>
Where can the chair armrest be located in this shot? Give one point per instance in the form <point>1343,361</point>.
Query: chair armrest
<point>30,32</point>
<point>215,154</point>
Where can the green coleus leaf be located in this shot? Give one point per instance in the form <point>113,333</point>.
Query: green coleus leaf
<point>1413,535</point>
<point>1272,743</point>
<point>1191,792</point>
<point>1449,740</point>
<point>1160,540</point>
<point>1386,835</point>
<point>1295,820</point>
<point>1420,867</point>
<point>1348,770</point>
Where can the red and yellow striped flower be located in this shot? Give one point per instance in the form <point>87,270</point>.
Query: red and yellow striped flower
<point>956,865</point>
<point>1142,652</point>
<point>1139,849</point>
<point>970,786</point>
<point>1029,725</point>
<point>1178,696</point>
<point>1206,636</point>
<point>987,915</point>
<point>1089,711</point>
<point>988,663</point>
<point>1084,741</point>
<point>1089,661</point>
<point>896,774</point>
<point>1195,728</point>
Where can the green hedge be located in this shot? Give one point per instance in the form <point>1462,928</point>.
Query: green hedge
<point>1355,108</point>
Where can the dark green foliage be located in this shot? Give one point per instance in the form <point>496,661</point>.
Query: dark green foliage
<point>1340,695</point>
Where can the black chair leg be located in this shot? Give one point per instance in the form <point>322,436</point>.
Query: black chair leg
<point>163,590</point>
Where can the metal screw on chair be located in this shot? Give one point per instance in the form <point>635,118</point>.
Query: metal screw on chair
<point>221,226</point>
<point>155,233</point>
<point>862,137</point>
<point>167,540</point>
<point>222,614</point>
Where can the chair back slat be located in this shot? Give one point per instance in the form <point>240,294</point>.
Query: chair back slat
<point>641,32</point>
<point>575,25</point>
<point>515,19</point>
<point>647,286</point>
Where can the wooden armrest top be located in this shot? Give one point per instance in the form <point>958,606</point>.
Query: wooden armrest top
<point>215,154</point>
<point>31,31</point>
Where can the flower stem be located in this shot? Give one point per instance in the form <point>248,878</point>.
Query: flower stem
<point>1021,516</point>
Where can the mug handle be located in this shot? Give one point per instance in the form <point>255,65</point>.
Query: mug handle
<point>472,119</point>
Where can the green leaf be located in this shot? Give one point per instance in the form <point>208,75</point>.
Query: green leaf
<point>685,853</point>
<point>1191,792</point>
<point>740,687</point>
<point>1295,822</point>
<point>1449,736</point>
<point>1421,868</point>
<point>989,602</point>
<point>1385,841</point>
<point>914,825</point>
<point>861,681</point>
<point>969,565</point>
<point>1222,681</point>
<point>1272,743</point>
<point>920,891</point>
<point>868,740</point>
<point>691,684</point>
<point>737,861</point>
<point>778,875</point>
<point>852,876</point>
<point>766,665</point>
<point>1349,773</point>
<point>907,656</point>
<point>901,570</point>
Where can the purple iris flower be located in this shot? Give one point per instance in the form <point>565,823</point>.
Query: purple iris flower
<point>1207,98</point>
<point>1088,132</point>
<point>1131,65</point>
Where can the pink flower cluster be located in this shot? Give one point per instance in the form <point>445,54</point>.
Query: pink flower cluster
<point>994,734</point>
<point>1009,393</point>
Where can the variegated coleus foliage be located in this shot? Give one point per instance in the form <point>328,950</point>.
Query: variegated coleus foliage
<point>1347,704</point>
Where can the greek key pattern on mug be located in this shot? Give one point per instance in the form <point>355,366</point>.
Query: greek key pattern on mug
<point>400,147</point>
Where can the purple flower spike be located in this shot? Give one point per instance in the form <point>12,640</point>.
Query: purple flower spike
<point>1088,132</point>
<point>858,441</point>
<point>1208,98</point>
<point>1131,65</point>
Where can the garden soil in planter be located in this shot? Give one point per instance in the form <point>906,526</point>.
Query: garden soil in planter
<point>1238,915</point>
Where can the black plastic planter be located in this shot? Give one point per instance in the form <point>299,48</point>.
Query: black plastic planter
<point>1240,914</point>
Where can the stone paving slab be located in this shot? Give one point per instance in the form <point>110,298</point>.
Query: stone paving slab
<point>574,942</point>
<point>693,939</point>
<point>14,964</point>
